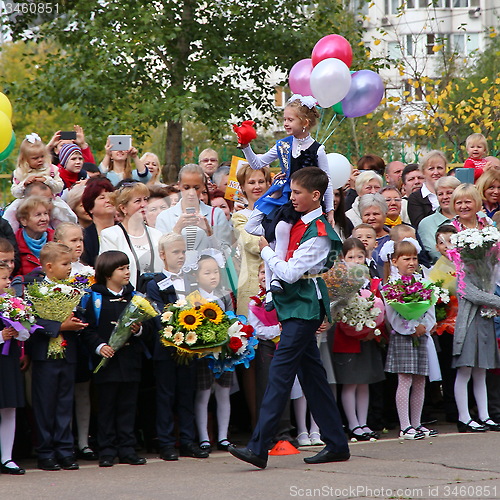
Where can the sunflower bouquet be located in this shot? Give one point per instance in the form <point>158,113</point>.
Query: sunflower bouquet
<point>194,327</point>
<point>239,350</point>
<point>139,309</point>
<point>55,302</point>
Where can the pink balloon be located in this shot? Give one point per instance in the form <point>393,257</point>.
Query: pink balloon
<point>335,46</point>
<point>298,78</point>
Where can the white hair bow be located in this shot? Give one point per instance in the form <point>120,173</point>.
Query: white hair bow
<point>216,255</point>
<point>32,138</point>
<point>306,100</point>
<point>388,248</point>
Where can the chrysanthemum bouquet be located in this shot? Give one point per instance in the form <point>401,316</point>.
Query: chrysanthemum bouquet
<point>194,326</point>
<point>54,301</point>
<point>240,348</point>
<point>343,282</point>
<point>476,253</point>
<point>17,313</point>
<point>362,315</point>
<point>139,309</point>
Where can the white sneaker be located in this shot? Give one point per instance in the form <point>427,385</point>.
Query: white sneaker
<point>315,439</point>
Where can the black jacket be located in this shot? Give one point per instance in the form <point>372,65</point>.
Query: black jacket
<point>125,365</point>
<point>418,208</point>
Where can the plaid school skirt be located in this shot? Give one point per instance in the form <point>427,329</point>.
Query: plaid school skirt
<point>403,357</point>
<point>205,377</point>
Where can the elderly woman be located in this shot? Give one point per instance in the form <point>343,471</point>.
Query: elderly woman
<point>96,200</point>
<point>366,183</point>
<point>157,202</point>
<point>74,200</point>
<point>488,186</point>
<point>394,201</point>
<point>132,236</point>
<point>466,204</point>
<point>194,219</point>
<point>373,209</point>
<point>424,202</point>
<point>443,215</point>
<point>33,215</point>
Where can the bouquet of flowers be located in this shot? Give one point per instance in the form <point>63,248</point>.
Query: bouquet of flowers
<point>477,253</point>
<point>240,349</point>
<point>362,315</point>
<point>411,297</point>
<point>17,313</point>
<point>137,310</point>
<point>54,301</point>
<point>85,278</point>
<point>343,282</point>
<point>195,327</point>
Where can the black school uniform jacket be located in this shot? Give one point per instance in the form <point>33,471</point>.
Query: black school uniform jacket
<point>125,365</point>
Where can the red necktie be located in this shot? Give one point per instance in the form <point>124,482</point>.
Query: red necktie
<point>298,230</point>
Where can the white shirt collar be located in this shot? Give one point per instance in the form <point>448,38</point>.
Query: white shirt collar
<point>116,294</point>
<point>307,218</point>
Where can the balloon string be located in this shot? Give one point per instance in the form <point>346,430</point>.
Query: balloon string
<point>329,124</point>
<point>330,134</point>
<point>321,115</point>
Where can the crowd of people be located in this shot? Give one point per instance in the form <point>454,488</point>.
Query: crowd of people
<point>137,233</point>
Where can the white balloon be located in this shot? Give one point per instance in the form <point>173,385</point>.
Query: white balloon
<point>330,81</point>
<point>340,169</point>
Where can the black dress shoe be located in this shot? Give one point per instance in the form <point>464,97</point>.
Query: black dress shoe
<point>193,451</point>
<point>132,459</point>
<point>470,428</point>
<point>68,463</point>
<point>492,426</point>
<point>223,445</point>
<point>169,454</point>
<point>13,471</point>
<point>48,464</point>
<point>87,454</point>
<point>325,456</point>
<point>106,461</point>
<point>248,456</point>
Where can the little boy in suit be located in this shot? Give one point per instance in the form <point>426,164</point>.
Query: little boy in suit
<point>53,379</point>
<point>175,383</point>
<point>301,310</point>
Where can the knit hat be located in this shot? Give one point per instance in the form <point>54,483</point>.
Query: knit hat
<point>66,151</point>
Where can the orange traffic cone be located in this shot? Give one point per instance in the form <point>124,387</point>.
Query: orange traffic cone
<point>284,448</point>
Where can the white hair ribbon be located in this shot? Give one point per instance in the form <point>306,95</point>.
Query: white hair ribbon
<point>32,138</point>
<point>414,242</point>
<point>386,251</point>
<point>306,100</point>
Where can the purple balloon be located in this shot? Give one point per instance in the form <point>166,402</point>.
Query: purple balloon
<point>299,77</point>
<point>365,94</point>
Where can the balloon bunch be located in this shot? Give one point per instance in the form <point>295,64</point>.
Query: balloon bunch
<point>327,77</point>
<point>7,136</point>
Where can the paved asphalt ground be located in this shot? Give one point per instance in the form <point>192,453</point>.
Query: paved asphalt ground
<point>457,466</point>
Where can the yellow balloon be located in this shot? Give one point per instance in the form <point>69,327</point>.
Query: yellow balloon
<point>5,131</point>
<point>5,106</point>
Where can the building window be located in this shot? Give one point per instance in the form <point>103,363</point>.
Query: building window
<point>392,6</point>
<point>431,39</point>
<point>463,43</point>
<point>410,46</point>
<point>394,50</point>
<point>463,4</point>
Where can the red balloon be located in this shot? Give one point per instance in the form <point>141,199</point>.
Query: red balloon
<point>335,46</point>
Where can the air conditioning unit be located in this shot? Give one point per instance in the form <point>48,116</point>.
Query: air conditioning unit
<point>475,13</point>
<point>385,21</point>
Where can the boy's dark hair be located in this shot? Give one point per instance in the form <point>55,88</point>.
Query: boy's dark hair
<point>6,246</point>
<point>445,228</point>
<point>106,264</point>
<point>51,252</point>
<point>411,167</point>
<point>311,179</point>
<point>351,243</point>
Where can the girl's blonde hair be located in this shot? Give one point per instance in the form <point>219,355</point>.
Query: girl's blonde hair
<point>478,139</point>
<point>403,248</point>
<point>62,229</point>
<point>127,173</point>
<point>155,157</point>
<point>311,115</point>
<point>466,191</point>
<point>28,149</point>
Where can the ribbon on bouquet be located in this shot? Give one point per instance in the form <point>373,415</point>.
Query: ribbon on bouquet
<point>19,327</point>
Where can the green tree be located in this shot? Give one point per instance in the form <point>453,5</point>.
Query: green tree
<point>127,65</point>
